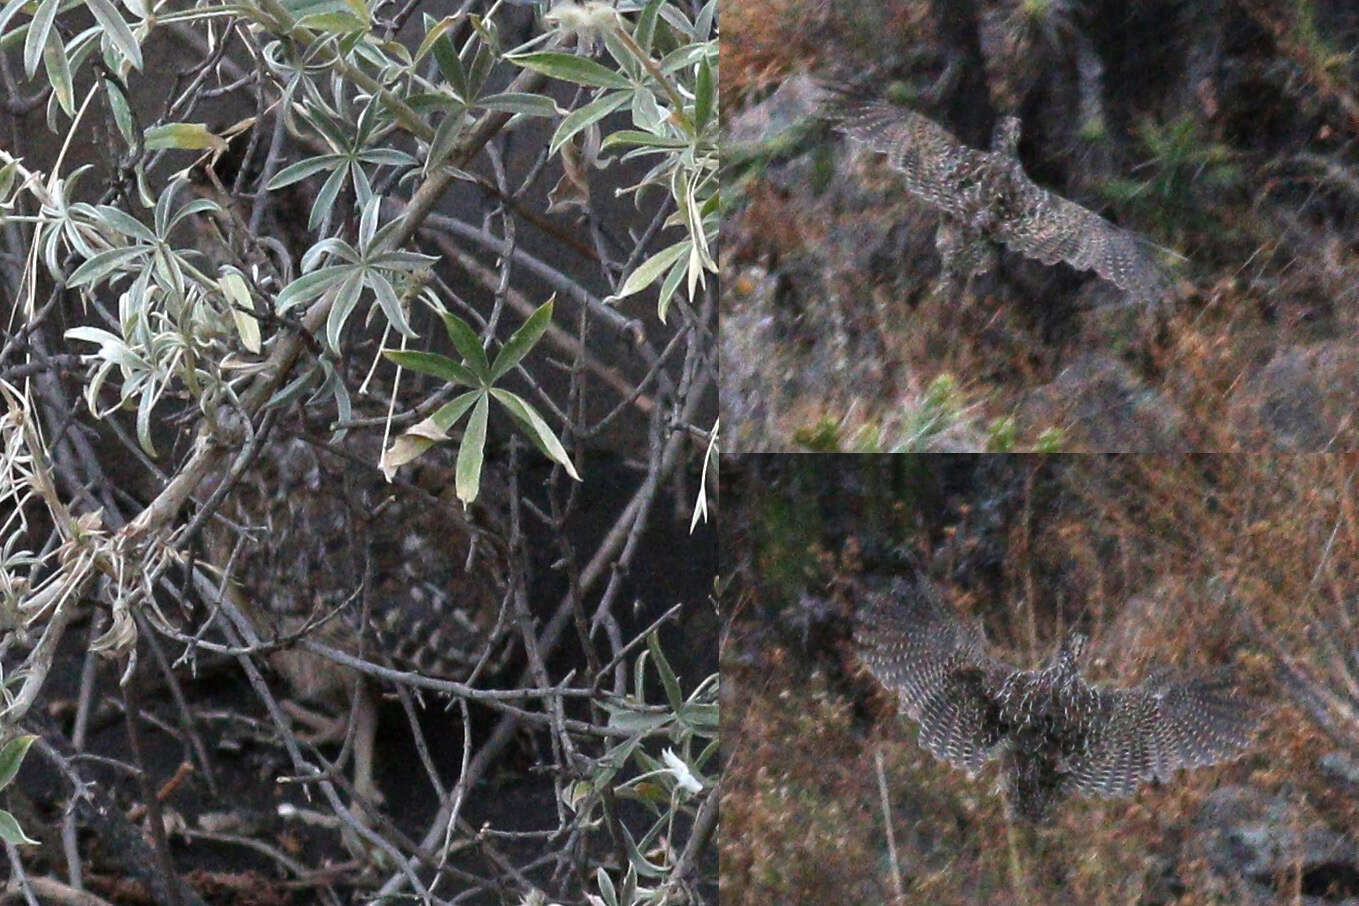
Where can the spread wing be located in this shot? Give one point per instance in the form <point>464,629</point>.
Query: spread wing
<point>938,668</point>
<point>934,164</point>
<point>1149,731</point>
<point>1051,228</point>
<point>990,187</point>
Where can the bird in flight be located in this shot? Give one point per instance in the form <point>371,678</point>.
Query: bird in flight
<point>986,198</point>
<point>1054,732</point>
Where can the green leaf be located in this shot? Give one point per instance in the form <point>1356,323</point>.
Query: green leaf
<point>537,429</point>
<point>482,61</point>
<point>59,72</point>
<point>332,246</point>
<point>368,220</point>
<point>433,33</point>
<point>126,224</point>
<point>432,363</point>
<point>581,117</point>
<point>10,831</point>
<point>644,139</point>
<point>199,206</point>
<point>236,291</point>
<point>468,480</point>
<point>122,116</point>
<point>144,407</point>
<point>116,30</point>
<point>302,169</point>
<point>420,437</point>
<point>635,721</point>
<point>524,339</point>
<point>190,136</point>
<point>705,95</point>
<point>606,888</point>
<point>346,300</point>
<point>668,679</point>
<point>628,60</point>
<point>519,102</point>
<point>639,862</point>
<point>96,268</point>
<point>668,287</point>
<point>450,65</point>
<point>683,57</point>
<point>468,344</point>
<point>649,270</point>
<point>571,68</point>
<point>308,287</point>
<point>12,757</point>
<point>446,136</point>
<point>7,13</point>
<point>427,103</point>
<point>325,199</point>
<point>703,22</point>
<point>108,343</point>
<point>390,304</point>
<point>702,718</point>
<point>447,415</point>
<point>36,39</point>
<point>387,156</point>
<point>340,17</point>
<point>645,30</point>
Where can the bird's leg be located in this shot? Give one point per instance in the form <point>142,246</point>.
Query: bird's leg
<point>324,728</point>
<point>365,735</point>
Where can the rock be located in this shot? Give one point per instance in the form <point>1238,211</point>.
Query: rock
<point>1258,842</point>
<point>794,100</point>
<point>1303,400</point>
<point>1102,406</point>
<point>1342,767</point>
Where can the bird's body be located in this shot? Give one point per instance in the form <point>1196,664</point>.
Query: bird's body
<point>317,545</point>
<point>1054,732</point>
<point>986,198</point>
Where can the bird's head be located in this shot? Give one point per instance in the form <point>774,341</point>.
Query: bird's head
<point>1070,653</point>
<point>1005,136</point>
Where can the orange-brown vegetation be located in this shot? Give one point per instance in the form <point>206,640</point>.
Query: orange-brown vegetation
<point>1200,563</point>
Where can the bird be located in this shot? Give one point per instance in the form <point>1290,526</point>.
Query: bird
<point>313,542</point>
<point>986,198</point>
<point>1054,733</point>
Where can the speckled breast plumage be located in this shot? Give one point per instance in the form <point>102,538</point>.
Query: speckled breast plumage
<point>398,574</point>
<point>1054,732</point>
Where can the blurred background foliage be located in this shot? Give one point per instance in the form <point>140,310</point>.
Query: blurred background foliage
<point>1223,131</point>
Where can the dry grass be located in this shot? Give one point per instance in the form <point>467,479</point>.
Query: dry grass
<point>1194,563</point>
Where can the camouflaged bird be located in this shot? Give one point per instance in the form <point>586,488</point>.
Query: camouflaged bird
<point>986,198</point>
<point>1055,733</point>
<point>316,544</point>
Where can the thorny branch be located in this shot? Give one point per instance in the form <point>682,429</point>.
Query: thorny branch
<point>123,562</point>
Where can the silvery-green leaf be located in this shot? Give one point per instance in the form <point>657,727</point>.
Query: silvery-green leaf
<point>470,452</point>
<point>537,429</point>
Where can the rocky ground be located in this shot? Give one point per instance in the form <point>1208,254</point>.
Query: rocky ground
<point>1222,133</point>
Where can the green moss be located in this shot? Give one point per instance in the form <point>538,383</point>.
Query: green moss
<point>940,408</point>
<point>1052,440</point>
<point>1001,435</point>
<point>822,437</point>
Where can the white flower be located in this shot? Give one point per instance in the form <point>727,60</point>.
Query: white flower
<point>683,776</point>
<point>588,20</point>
